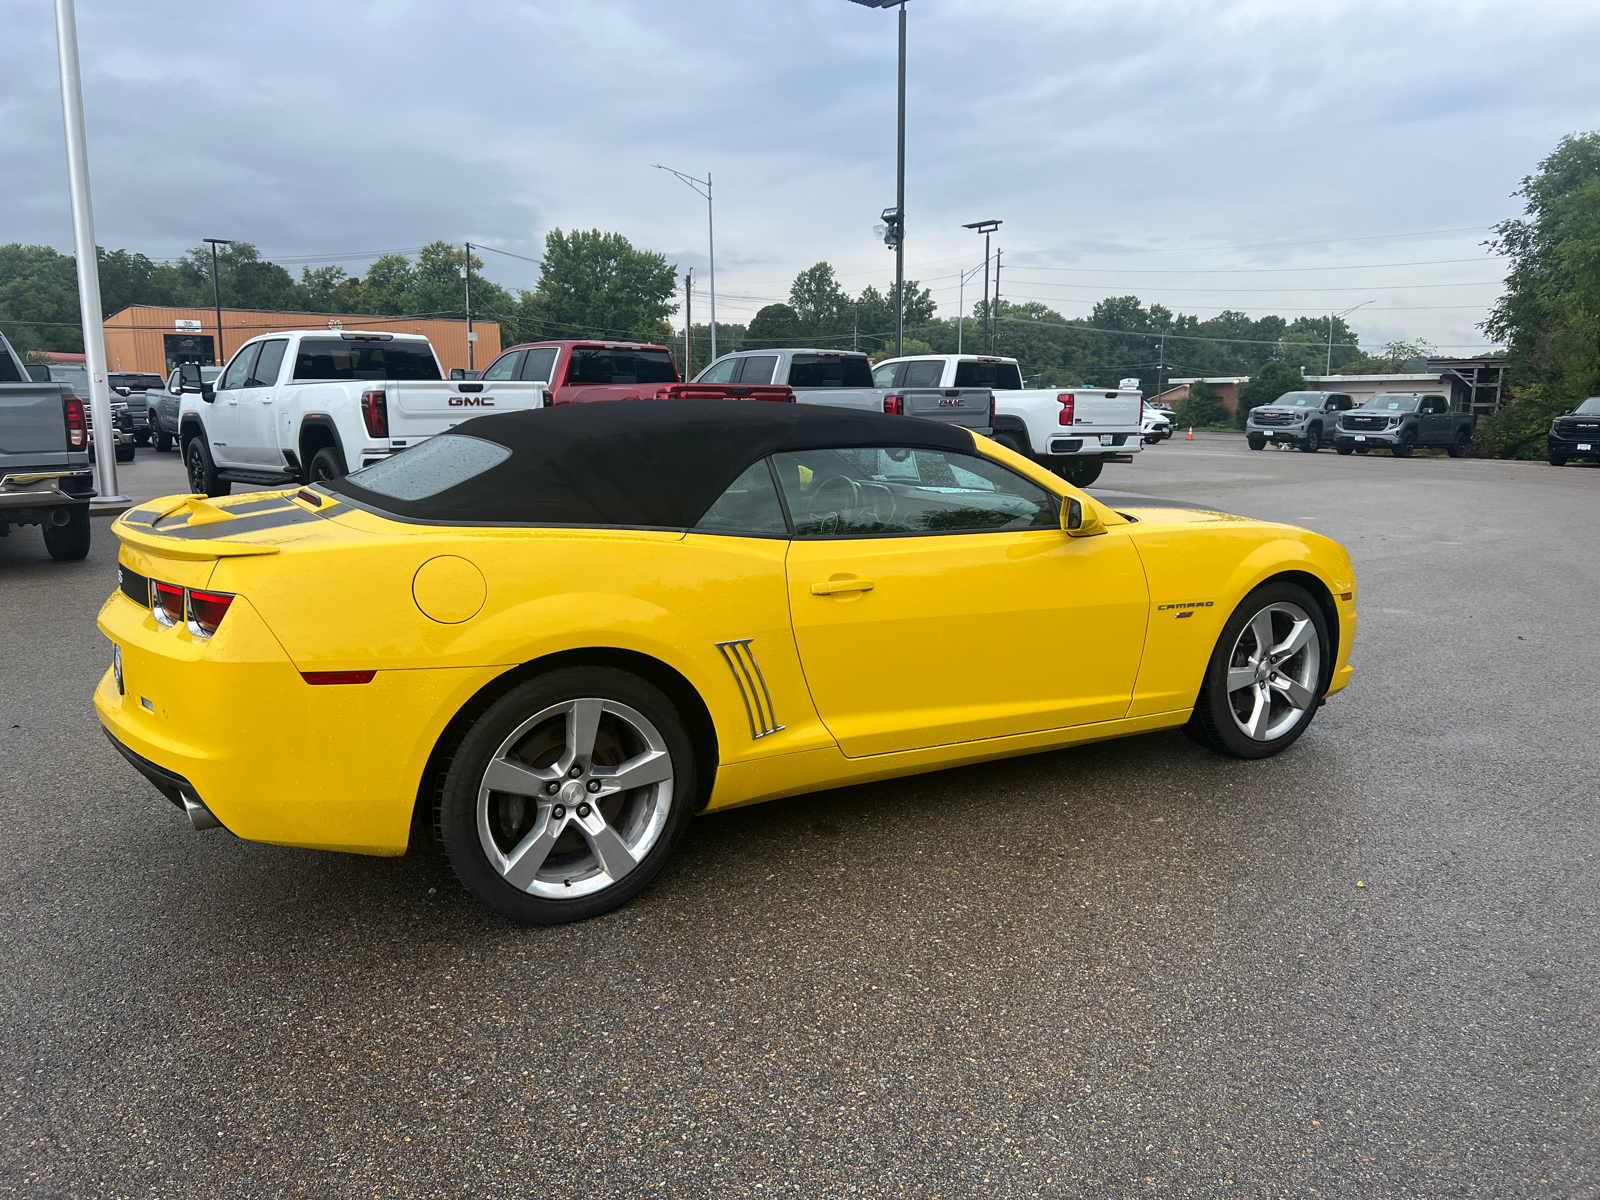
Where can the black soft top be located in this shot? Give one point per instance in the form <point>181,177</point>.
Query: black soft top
<point>657,464</point>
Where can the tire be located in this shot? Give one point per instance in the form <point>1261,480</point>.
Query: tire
<point>326,464</point>
<point>1344,449</point>
<point>125,451</point>
<point>1312,442</point>
<point>1458,448</point>
<point>1080,474</point>
<point>163,442</point>
<point>591,856</point>
<point>1233,722</point>
<point>1256,441</point>
<point>1558,460</point>
<point>142,438</point>
<point>69,542</point>
<point>1013,441</point>
<point>201,469</point>
<point>1406,444</point>
<point>1363,449</point>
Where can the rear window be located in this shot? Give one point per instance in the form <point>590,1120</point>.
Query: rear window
<point>335,358</point>
<point>594,364</point>
<point>136,382</point>
<point>426,470</point>
<point>830,370</point>
<point>998,376</point>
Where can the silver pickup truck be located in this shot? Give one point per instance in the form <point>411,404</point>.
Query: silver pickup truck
<point>44,459</point>
<point>843,379</point>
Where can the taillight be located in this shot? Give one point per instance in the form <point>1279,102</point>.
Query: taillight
<point>991,410</point>
<point>337,676</point>
<point>207,610</point>
<point>77,423</point>
<point>1069,404</point>
<point>894,405</point>
<point>375,412</point>
<point>168,603</point>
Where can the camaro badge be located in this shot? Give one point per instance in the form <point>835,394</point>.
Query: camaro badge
<point>1185,608</point>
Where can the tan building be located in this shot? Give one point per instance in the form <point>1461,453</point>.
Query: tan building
<point>1225,386</point>
<point>145,337</point>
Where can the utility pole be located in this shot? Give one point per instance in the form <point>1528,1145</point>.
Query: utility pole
<point>1161,363</point>
<point>1329,369</point>
<point>466,274</point>
<point>855,338</point>
<point>94,333</point>
<point>986,228</point>
<point>996,320</point>
<point>711,241</point>
<point>688,324</point>
<point>216,294</point>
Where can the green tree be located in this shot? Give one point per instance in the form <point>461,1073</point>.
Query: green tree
<point>595,284</point>
<point>823,311</point>
<point>774,326</point>
<point>1549,315</point>
<point>1201,407</point>
<point>1266,385</point>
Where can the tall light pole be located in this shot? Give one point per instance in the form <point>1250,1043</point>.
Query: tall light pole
<point>711,242</point>
<point>216,293</point>
<point>961,304</point>
<point>1328,370</point>
<point>899,223</point>
<point>986,228</point>
<point>466,274</point>
<point>94,334</point>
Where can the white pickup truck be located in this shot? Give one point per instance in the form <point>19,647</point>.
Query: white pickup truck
<point>1073,431</point>
<point>306,405</point>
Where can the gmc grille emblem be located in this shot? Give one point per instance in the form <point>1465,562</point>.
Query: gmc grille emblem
<point>474,401</point>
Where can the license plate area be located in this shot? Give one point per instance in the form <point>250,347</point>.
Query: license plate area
<point>1107,439</point>
<point>1361,437</point>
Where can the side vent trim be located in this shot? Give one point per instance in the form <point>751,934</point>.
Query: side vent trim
<point>752,684</point>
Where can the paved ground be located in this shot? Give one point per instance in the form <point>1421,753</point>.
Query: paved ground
<point>1131,969</point>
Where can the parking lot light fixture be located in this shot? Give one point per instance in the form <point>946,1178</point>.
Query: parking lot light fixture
<point>899,181</point>
<point>986,228</point>
<point>711,243</point>
<point>216,293</point>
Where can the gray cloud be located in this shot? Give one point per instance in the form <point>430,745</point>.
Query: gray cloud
<point>1109,136</point>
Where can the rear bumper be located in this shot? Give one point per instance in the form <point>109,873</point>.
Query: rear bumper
<point>174,787</point>
<point>1124,444</point>
<point>34,497</point>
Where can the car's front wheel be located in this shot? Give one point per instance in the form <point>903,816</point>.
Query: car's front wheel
<point>1407,443</point>
<point>126,451</point>
<point>1557,460</point>
<point>565,798</point>
<point>1341,448</point>
<point>202,470</point>
<point>163,441</point>
<point>1265,678</point>
<point>1255,441</point>
<point>1312,441</point>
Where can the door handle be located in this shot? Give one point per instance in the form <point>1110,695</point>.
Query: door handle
<point>830,587</point>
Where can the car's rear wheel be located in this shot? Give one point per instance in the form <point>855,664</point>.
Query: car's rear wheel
<point>1458,448</point>
<point>1312,441</point>
<point>565,798</point>
<point>1012,440</point>
<point>69,542</point>
<point>1081,474</point>
<point>202,470</point>
<point>1266,675</point>
<point>327,464</point>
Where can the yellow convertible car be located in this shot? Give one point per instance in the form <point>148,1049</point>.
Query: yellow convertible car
<point>554,636</point>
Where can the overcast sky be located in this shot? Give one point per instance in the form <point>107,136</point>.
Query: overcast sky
<point>1272,156</point>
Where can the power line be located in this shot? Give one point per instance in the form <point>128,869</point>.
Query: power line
<point>1436,262</point>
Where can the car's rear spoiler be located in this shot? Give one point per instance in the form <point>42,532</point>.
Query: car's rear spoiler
<point>205,533</point>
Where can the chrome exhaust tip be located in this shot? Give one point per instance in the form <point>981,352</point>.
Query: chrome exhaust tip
<point>199,815</point>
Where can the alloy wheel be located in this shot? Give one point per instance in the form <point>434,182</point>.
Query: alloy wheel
<point>1273,671</point>
<point>575,798</point>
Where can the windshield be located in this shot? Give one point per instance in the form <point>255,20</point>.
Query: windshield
<point>1590,407</point>
<point>1300,399</point>
<point>998,376</point>
<point>598,364</point>
<point>337,358</point>
<point>830,370</point>
<point>1392,402</point>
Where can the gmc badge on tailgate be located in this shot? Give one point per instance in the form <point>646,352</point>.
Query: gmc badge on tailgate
<point>952,404</point>
<point>474,401</point>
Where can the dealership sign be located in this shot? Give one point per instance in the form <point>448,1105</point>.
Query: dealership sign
<point>186,326</point>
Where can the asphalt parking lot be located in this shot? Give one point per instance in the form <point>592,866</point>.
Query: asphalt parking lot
<point>1369,967</point>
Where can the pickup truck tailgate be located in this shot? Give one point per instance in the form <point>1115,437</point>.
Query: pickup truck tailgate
<point>422,408</point>
<point>967,407</point>
<point>32,420</point>
<point>1106,410</point>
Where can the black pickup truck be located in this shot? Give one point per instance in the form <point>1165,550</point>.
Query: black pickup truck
<point>1399,422</point>
<point>1576,434</point>
<point>44,458</point>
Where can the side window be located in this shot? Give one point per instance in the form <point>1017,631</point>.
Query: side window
<point>539,365</point>
<point>268,362</point>
<point>922,374</point>
<point>504,367</point>
<point>884,375</point>
<point>720,371</point>
<point>749,506</point>
<point>758,368</point>
<point>239,369</point>
<point>888,491</point>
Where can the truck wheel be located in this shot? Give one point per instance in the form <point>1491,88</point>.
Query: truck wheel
<point>326,464</point>
<point>566,797</point>
<point>69,542</point>
<point>125,451</point>
<point>1256,441</point>
<point>1312,442</point>
<point>1557,460</point>
<point>202,470</point>
<point>1342,449</point>
<point>1406,444</point>
<point>142,438</point>
<point>1265,677</point>
<point>1081,474</point>
<point>1012,441</point>
<point>1458,448</point>
<point>163,442</point>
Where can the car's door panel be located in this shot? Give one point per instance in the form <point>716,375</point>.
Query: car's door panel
<point>256,430</point>
<point>224,426</point>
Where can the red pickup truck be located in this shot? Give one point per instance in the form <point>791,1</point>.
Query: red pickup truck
<point>578,372</point>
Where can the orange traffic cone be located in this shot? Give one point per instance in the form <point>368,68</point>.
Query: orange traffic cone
<point>1191,433</point>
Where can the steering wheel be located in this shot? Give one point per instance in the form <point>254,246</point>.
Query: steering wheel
<point>845,508</point>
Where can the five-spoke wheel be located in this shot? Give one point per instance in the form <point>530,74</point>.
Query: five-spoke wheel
<point>565,797</point>
<point>1266,675</point>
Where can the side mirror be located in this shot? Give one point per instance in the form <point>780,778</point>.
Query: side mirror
<point>1080,518</point>
<point>207,392</point>
<point>458,373</point>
